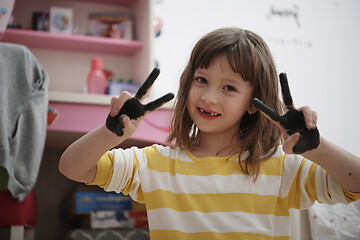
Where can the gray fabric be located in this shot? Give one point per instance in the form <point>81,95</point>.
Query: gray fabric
<point>23,117</point>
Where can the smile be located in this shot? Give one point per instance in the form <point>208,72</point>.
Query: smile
<point>208,113</point>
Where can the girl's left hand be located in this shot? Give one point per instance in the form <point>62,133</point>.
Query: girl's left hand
<point>298,125</point>
<point>291,140</point>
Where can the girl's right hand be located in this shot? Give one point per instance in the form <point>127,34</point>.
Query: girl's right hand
<point>133,108</point>
<point>116,104</point>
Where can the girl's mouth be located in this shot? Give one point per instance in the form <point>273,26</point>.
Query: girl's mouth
<point>208,114</point>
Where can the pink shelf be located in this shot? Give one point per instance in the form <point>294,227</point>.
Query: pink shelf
<point>38,39</point>
<point>82,118</point>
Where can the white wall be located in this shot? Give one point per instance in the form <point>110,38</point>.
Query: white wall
<point>320,51</point>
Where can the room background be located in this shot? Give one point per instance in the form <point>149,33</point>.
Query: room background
<point>315,42</point>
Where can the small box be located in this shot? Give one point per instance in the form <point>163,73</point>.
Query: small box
<point>86,202</point>
<point>40,21</point>
<point>114,219</point>
<point>115,88</point>
<point>61,20</point>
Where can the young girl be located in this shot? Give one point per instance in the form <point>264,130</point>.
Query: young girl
<point>228,177</point>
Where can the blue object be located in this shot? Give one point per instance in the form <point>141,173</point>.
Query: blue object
<point>86,202</point>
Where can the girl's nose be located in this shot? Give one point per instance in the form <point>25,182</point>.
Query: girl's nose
<point>210,97</point>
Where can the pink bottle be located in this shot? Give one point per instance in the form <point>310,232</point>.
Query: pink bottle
<point>96,81</point>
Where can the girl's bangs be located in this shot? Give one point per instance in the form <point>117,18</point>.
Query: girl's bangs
<point>240,52</point>
<point>243,62</point>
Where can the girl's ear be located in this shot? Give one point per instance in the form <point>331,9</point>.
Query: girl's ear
<point>252,109</point>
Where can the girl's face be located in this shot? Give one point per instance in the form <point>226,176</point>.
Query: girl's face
<point>218,98</point>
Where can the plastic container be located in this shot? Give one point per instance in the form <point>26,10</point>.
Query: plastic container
<point>96,81</point>
<point>6,8</point>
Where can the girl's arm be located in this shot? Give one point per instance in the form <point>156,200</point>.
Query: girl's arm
<point>342,165</point>
<point>79,160</point>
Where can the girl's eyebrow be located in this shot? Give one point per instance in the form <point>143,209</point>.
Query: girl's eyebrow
<point>234,81</point>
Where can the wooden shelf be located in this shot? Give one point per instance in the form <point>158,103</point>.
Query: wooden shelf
<point>38,39</point>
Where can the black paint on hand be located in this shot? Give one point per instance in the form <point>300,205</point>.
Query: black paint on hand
<point>134,109</point>
<point>293,121</point>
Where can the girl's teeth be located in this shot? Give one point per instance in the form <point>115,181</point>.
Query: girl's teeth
<point>211,114</point>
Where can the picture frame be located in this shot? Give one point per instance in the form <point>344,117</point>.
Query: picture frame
<point>61,20</point>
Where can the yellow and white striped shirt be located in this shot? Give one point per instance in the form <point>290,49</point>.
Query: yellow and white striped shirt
<point>210,198</point>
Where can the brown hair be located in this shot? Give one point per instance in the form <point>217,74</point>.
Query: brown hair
<point>249,55</point>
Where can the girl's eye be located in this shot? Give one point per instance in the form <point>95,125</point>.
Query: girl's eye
<point>201,80</point>
<point>230,88</point>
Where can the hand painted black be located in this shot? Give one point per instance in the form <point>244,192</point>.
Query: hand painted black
<point>134,109</point>
<point>293,120</point>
